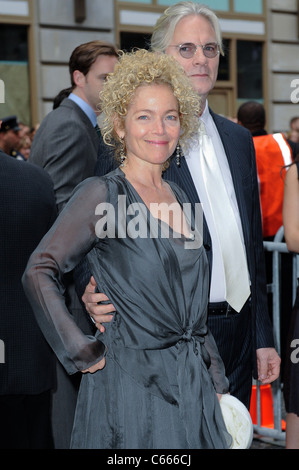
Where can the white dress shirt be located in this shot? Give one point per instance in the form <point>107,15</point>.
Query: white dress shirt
<point>218,288</point>
<point>86,108</point>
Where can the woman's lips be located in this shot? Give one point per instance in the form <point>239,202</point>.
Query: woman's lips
<point>157,142</point>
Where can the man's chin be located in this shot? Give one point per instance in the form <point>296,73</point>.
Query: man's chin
<point>202,86</point>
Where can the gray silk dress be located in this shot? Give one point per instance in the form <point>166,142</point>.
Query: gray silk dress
<point>158,387</point>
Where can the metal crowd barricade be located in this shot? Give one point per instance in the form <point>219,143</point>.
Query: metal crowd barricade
<point>277,247</point>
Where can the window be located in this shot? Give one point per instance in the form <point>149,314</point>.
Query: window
<point>14,71</point>
<point>130,40</point>
<point>222,5</point>
<point>250,71</point>
<point>253,7</point>
<point>224,63</point>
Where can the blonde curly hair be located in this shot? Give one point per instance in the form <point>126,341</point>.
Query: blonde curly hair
<point>142,67</point>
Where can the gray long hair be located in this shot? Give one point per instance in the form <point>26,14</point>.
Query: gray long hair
<point>166,24</point>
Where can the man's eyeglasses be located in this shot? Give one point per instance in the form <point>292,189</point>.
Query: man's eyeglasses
<point>188,49</point>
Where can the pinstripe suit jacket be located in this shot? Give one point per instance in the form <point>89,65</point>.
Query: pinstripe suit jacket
<point>239,149</point>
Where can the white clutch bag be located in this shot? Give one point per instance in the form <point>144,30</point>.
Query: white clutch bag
<point>238,421</point>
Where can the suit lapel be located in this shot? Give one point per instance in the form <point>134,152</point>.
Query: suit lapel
<point>182,177</point>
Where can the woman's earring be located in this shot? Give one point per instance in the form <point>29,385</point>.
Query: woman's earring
<point>178,155</point>
<point>122,160</point>
<point>122,152</point>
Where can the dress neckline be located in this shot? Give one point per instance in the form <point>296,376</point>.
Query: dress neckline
<point>137,195</point>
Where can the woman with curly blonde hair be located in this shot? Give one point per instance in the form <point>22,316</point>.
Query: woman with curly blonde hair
<point>141,68</point>
<point>151,379</point>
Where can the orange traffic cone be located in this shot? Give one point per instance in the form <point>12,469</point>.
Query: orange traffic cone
<point>266,401</point>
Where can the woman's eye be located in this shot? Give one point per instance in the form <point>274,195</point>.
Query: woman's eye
<point>142,117</point>
<point>171,117</point>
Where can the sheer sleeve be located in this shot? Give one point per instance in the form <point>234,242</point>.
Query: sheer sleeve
<point>67,242</point>
<point>217,370</point>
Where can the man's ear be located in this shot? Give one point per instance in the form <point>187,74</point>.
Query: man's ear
<point>78,77</point>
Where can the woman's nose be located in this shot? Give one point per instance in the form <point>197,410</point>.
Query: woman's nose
<point>159,126</point>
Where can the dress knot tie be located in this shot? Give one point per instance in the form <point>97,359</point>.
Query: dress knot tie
<point>187,335</point>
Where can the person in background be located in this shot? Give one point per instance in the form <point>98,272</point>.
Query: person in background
<point>27,375</point>
<point>24,130</point>
<point>23,150</point>
<point>33,131</point>
<point>241,325</point>
<point>293,135</point>
<point>9,135</point>
<point>67,145</point>
<point>291,374</point>
<point>273,154</point>
<point>162,371</point>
